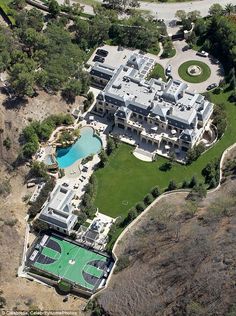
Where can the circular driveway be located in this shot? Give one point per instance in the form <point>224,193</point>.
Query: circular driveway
<point>183,56</point>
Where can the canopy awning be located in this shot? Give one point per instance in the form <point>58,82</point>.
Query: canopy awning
<point>173,131</point>
<point>154,128</point>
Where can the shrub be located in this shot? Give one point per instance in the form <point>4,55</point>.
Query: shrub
<point>140,207</point>
<point>148,199</point>
<point>7,143</point>
<point>172,186</point>
<point>11,222</point>
<point>155,192</point>
<point>5,188</point>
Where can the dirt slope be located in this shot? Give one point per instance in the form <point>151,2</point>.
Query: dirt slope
<point>181,261</point>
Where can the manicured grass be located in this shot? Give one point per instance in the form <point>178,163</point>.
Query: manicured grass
<point>154,49</point>
<point>183,71</point>
<point>126,180</point>
<point>157,72</point>
<point>4,5</point>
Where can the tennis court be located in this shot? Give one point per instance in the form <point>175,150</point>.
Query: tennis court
<point>69,261</point>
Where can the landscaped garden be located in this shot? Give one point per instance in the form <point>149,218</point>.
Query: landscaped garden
<point>125,180</point>
<point>157,72</point>
<point>194,71</point>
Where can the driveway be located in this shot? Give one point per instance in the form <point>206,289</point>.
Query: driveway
<point>183,56</point>
<point>167,11</point>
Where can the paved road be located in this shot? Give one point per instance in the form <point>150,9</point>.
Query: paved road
<point>167,11</point>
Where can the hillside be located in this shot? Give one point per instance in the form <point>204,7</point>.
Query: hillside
<point>19,293</point>
<point>179,259</point>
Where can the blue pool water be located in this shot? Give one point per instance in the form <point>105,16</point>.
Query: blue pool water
<point>86,145</point>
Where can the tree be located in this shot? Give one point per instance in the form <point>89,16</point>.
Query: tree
<point>39,169</point>
<point>90,97</point>
<point>18,4</point>
<point>193,16</point>
<point>71,90</point>
<point>110,146</point>
<point>216,9</point>
<point>172,186</point>
<point>197,193</point>
<point>54,8</point>
<point>181,15</point>
<point>172,157</point>
<point>193,182</point>
<point>103,158</point>
<point>185,184</point>
<point>229,9</point>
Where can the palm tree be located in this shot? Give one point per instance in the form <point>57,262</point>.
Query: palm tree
<point>229,9</point>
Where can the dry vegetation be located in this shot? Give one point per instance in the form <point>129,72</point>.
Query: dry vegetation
<point>181,260</point>
<point>19,293</point>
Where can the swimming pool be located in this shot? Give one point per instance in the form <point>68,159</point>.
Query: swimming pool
<point>88,144</point>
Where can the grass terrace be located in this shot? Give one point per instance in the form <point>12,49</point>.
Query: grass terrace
<point>126,180</point>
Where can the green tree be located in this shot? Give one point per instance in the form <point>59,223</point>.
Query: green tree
<point>172,186</point>
<point>39,169</point>
<point>103,158</point>
<point>148,199</point>
<point>155,192</point>
<point>110,146</point>
<point>140,207</point>
<point>193,182</point>
<point>54,8</point>
<point>181,15</point>
<point>229,8</point>
<point>71,90</point>
<point>131,215</point>
<point>216,9</point>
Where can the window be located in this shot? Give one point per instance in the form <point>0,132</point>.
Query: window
<point>64,231</point>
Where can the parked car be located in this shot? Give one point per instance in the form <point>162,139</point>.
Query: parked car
<point>168,70</point>
<point>185,48</point>
<point>202,53</point>
<point>99,59</point>
<point>212,86</point>
<point>102,52</point>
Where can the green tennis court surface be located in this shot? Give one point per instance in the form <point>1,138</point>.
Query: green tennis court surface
<point>72,262</point>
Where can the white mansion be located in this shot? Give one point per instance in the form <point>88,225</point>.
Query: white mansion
<point>159,113</point>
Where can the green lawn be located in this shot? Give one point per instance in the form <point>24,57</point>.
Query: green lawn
<point>7,10</point>
<point>157,72</point>
<point>126,180</point>
<point>183,71</point>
